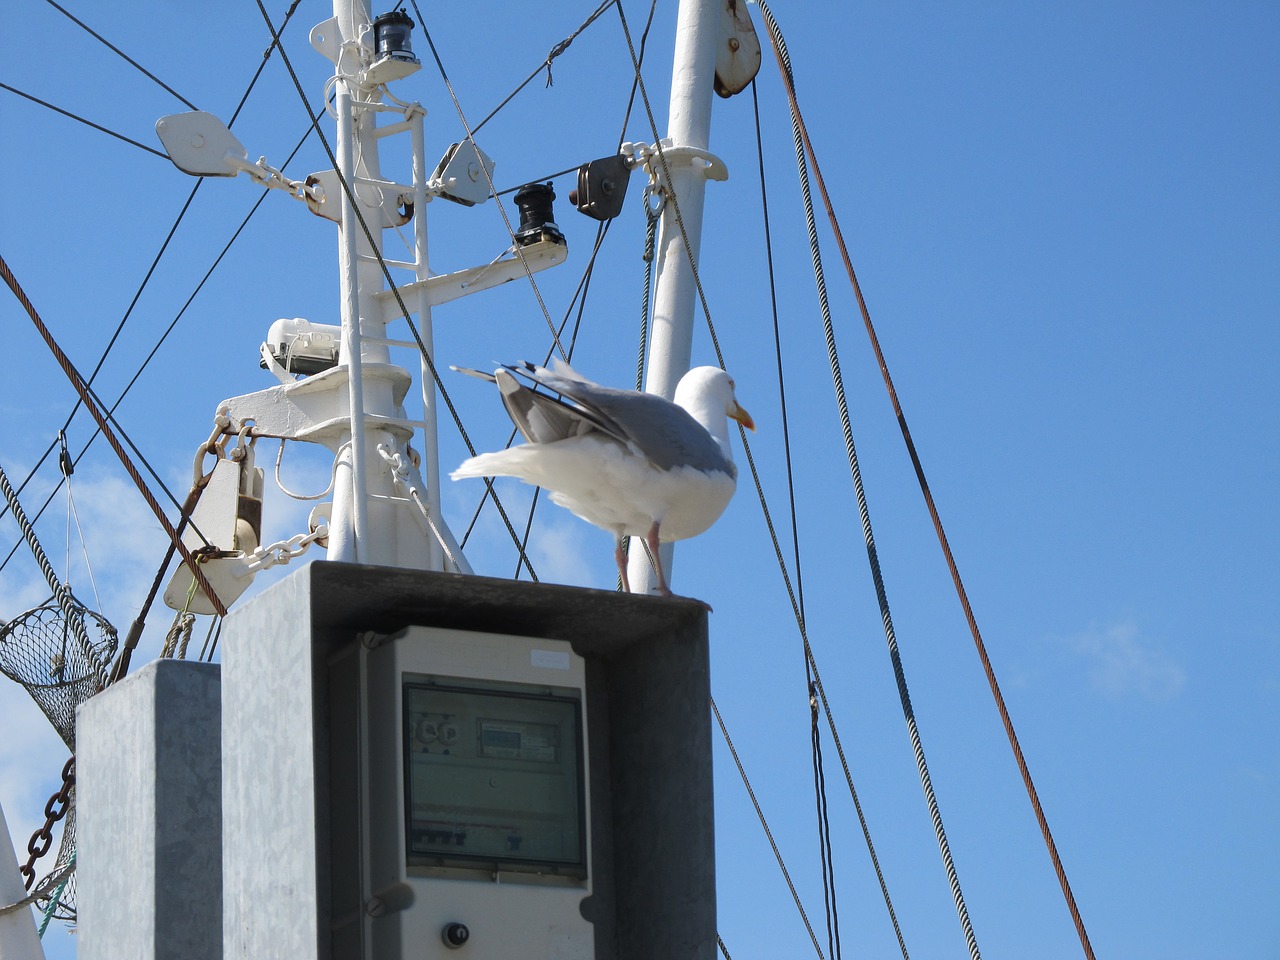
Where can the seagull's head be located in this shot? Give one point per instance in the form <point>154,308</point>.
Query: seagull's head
<point>708,392</point>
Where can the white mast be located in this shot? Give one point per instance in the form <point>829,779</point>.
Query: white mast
<point>362,529</point>
<point>686,152</point>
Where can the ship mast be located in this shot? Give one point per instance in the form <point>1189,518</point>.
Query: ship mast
<point>685,160</point>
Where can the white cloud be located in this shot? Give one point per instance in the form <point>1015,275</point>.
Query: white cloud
<point>1123,663</point>
<point>562,550</point>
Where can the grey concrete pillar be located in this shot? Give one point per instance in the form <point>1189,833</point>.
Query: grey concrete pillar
<point>149,816</point>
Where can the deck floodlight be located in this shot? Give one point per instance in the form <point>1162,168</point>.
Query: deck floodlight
<point>537,220</point>
<point>393,53</point>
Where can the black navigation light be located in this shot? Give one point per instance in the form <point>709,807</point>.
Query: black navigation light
<point>537,222</point>
<point>391,36</point>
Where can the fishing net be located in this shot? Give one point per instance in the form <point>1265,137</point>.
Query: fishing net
<point>59,903</point>
<point>59,653</point>
<point>60,657</point>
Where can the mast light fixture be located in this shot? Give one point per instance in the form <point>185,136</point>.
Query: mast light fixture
<point>537,220</point>
<point>393,52</point>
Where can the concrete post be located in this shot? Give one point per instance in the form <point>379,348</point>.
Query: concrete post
<point>149,816</point>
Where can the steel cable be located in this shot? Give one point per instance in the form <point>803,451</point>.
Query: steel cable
<point>1002,709</point>
<point>773,535</point>
<point>88,123</point>
<point>82,388</point>
<point>128,59</point>
<point>864,517</point>
<point>773,844</point>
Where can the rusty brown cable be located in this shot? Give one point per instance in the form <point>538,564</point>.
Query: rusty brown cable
<point>121,666</point>
<point>77,381</point>
<point>784,66</point>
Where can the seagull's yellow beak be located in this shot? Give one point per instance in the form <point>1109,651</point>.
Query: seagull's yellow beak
<point>736,412</point>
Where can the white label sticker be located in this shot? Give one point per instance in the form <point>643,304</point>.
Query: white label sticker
<point>549,659</point>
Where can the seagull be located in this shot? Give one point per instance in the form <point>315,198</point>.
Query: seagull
<point>632,463</point>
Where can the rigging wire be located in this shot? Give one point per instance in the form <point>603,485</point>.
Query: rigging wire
<point>824,828</point>
<point>558,49</point>
<point>128,59</point>
<point>145,280</point>
<point>764,506</point>
<point>802,136</point>
<point>773,844</point>
<point>864,516</point>
<point>64,461</point>
<point>386,272</point>
<point>91,404</point>
<point>88,123</point>
<point>489,179</point>
<point>824,833</point>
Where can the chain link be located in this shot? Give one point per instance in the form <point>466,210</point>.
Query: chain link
<point>54,811</point>
<point>285,550</point>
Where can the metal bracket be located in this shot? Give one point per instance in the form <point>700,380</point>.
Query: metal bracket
<point>452,286</point>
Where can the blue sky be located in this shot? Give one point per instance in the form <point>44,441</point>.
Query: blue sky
<point>1066,222</point>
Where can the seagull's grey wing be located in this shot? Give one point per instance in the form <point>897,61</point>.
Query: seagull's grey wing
<point>541,418</point>
<point>665,434</point>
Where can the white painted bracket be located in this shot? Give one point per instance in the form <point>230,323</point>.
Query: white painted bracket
<point>451,286</point>
<point>315,409</point>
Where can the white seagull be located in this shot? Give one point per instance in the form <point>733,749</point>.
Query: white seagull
<point>632,463</point>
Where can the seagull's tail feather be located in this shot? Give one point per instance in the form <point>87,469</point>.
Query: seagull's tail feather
<point>514,462</point>
<point>559,370</point>
<point>478,374</point>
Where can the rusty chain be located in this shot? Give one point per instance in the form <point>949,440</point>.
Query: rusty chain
<point>54,811</point>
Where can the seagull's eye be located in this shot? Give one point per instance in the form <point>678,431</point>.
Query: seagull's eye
<point>732,385</point>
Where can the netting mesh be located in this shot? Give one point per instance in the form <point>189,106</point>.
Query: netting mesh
<point>61,879</point>
<point>61,663</point>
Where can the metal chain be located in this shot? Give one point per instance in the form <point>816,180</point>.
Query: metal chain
<point>285,550</point>
<point>54,811</point>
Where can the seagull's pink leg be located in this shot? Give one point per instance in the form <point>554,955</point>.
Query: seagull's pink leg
<point>663,589</point>
<point>621,559</point>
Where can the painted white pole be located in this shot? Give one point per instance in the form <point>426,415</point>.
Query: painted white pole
<point>688,125</point>
<point>430,439</point>
<point>18,937</point>
<point>363,527</point>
